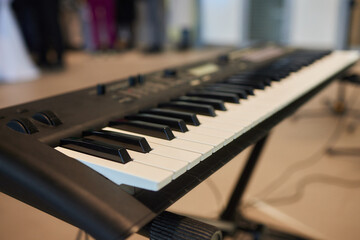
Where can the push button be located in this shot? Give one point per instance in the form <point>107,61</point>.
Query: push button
<point>170,73</point>
<point>100,89</point>
<point>47,117</point>
<point>22,125</point>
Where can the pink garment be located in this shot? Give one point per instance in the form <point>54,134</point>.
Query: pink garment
<point>103,23</point>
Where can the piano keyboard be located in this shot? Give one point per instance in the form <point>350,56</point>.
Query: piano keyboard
<point>163,133</point>
<point>188,129</point>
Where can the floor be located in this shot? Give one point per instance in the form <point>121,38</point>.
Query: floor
<point>298,185</point>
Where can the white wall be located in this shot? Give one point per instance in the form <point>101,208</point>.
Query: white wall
<point>314,23</point>
<point>181,14</point>
<point>222,22</point>
<point>310,23</point>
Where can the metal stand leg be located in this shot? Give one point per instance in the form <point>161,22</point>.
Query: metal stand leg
<point>339,105</point>
<point>231,213</point>
<point>340,108</point>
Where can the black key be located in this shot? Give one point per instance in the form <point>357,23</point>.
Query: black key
<point>264,72</point>
<point>127,141</point>
<point>240,92</point>
<point>174,123</point>
<point>197,108</point>
<point>265,80</point>
<point>188,118</point>
<point>151,129</point>
<point>249,90</point>
<point>254,84</point>
<point>96,148</point>
<point>217,104</point>
<point>260,75</point>
<point>226,97</point>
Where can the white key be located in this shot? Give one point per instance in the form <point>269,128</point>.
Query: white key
<point>216,142</point>
<point>228,136</point>
<point>232,114</point>
<point>228,121</point>
<point>246,115</point>
<point>191,158</point>
<point>241,116</point>
<point>204,149</point>
<point>246,112</point>
<point>132,173</point>
<point>176,166</point>
<point>235,130</point>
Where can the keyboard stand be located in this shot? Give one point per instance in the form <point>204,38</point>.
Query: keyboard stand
<point>231,221</point>
<point>231,213</point>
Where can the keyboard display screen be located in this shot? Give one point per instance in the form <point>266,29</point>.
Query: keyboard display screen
<point>204,69</point>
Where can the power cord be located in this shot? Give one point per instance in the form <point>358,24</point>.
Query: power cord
<point>302,164</point>
<point>215,191</point>
<point>313,179</point>
<point>80,233</point>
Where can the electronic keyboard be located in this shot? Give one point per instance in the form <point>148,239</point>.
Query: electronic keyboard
<point>110,158</point>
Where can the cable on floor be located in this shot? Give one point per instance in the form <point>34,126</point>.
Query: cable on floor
<point>313,179</point>
<point>79,234</point>
<point>215,191</point>
<point>302,164</point>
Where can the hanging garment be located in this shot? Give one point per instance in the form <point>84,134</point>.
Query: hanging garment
<point>71,24</point>
<point>155,22</point>
<point>15,63</point>
<point>86,24</point>
<point>125,19</point>
<point>39,21</point>
<point>103,23</point>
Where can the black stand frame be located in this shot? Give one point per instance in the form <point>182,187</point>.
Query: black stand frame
<point>231,213</point>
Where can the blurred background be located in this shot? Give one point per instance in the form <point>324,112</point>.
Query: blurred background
<point>49,47</point>
<point>37,35</point>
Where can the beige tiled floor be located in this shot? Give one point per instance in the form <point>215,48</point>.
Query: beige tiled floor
<point>326,208</point>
